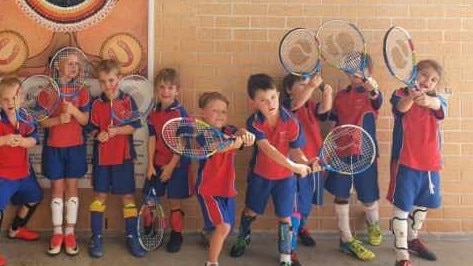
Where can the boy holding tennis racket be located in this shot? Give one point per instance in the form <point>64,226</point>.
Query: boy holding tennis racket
<point>64,151</point>
<point>298,94</point>
<point>113,167</point>
<point>18,183</point>
<point>415,179</point>
<point>358,105</point>
<point>215,184</point>
<point>278,138</point>
<point>173,171</point>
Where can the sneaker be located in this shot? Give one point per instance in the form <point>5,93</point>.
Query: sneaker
<point>295,260</point>
<point>403,263</point>
<point>285,263</point>
<point>55,244</point>
<point>356,249</point>
<point>134,246</point>
<point>175,242</point>
<point>374,234</point>
<point>3,261</point>
<point>419,248</point>
<point>205,239</point>
<point>23,233</point>
<point>70,244</point>
<point>305,238</point>
<point>238,249</point>
<point>95,246</point>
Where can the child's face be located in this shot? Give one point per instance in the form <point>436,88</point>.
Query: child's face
<point>427,79</point>
<point>356,80</point>
<point>7,99</point>
<point>108,82</point>
<point>166,92</point>
<point>69,67</point>
<point>267,102</point>
<point>296,88</point>
<point>215,113</point>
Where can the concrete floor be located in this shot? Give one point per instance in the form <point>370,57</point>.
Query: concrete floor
<point>452,250</point>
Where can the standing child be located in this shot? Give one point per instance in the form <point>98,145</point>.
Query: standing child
<point>18,183</point>
<point>215,184</point>
<point>358,104</point>
<point>278,138</point>
<point>310,189</point>
<point>113,168</point>
<point>64,151</point>
<point>172,171</point>
<point>415,160</point>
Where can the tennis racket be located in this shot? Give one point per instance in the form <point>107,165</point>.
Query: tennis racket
<point>70,68</point>
<point>151,220</point>
<point>193,138</point>
<point>347,150</point>
<point>40,97</point>
<point>343,46</point>
<point>299,53</point>
<point>400,55</point>
<point>135,103</point>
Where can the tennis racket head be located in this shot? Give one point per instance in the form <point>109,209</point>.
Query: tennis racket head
<point>400,56</point>
<point>343,46</point>
<point>70,68</point>
<point>347,150</point>
<point>193,138</point>
<point>40,96</point>
<point>299,52</point>
<point>151,222</point>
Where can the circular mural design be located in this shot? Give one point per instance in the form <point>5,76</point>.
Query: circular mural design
<point>66,16</point>
<point>124,48</point>
<point>13,51</point>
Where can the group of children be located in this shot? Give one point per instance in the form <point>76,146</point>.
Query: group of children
<point>285,139</point>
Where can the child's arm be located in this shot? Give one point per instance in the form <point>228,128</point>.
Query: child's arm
<point>151,149</point>
<point>81,117</point>
<point>120,130</point>
<point>299,99</point>
<point>169,168</point>
<point>327,100</point>
<point>427,101</point>
<point>279,158</point>
<point>405,103</point>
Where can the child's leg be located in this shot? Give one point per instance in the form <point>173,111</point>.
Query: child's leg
<point>342,210</point>
<point>97,208</point>
<point>72,205</point>
<point>130,213</point>
<point>216,242</point>
<point>415,221</point>
<point>372,219</point>
<point>399,227</point>
<point>285,240</point>
<point>177,225</point>
<point>57,208</point>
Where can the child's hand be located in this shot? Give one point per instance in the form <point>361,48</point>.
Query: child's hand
<point>314,164</point>
<point>423,100</point>
<point>112,132</point>
<point>166,172</point>
<point>65,118</point>
<point>371,84</point>
<point>237,143</point>
<point>103,136</point>
<point>301,169</point>
<point>247,137</point>
<point>315,81</point>
<point>14,140</point>
<point>150,172</point>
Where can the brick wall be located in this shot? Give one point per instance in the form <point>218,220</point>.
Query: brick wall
<point>216,45</point>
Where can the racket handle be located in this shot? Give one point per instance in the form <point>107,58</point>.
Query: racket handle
<point>322,86</point>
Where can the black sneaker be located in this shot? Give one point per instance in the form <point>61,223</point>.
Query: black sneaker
<point>420,249</point>
<point>238,249</point>
<point>175,242</point>
<point>305,238</point>
<point>295,260</point>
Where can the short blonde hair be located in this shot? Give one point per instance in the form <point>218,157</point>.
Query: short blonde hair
<point>207,97</point>
<point>168,75</point>
<point>9,82</point>
<point>108,66</point>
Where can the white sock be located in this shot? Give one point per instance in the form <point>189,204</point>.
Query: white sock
<point>372,213</point>
<point>343,215</point>
<point>284,257</point>
<point>69,230</point>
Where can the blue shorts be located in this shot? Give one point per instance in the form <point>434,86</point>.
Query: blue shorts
<point>282,191</point>
<point>19,192</point>
<point>365,183</point>
<point>217,210</point>
<point>412,188</point>
<point>310,190</point>
<point>67,162</point>
<point>119,179</point>
<point>179,186</point>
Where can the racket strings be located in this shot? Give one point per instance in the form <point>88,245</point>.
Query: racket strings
<point>40,96</point>
<point>70,61</point>
<point>151,225</point>
<point>348,150</point>
<point>299,51</point>
<point>400,54</point>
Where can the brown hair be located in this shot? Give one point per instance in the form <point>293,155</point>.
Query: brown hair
<point>429,63</point>
<point>168,75</point>
<point>207,97</point>
<point>8,82</point>
<point>108,66</point>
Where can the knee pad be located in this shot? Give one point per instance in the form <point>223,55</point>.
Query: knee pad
<point>417,218</point>
<point>284,238</point>
<point>57,207</point>
<point>97,206</point>
<point>72,208</point>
